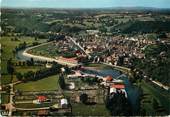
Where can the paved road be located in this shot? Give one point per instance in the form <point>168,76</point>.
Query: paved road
<point>160,84</point>
<point>70,38</point>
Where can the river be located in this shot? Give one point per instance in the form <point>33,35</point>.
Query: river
<point>132,91</point>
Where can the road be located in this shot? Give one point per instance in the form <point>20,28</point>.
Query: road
<point>11,107</point>
<point>160,84</point>
<point>11,99</point>
<point>70,38</point>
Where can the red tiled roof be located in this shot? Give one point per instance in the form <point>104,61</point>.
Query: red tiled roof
<point>69,59</point>
<point>41,98</point>
<point>118,86</point>
<point>109,78</point>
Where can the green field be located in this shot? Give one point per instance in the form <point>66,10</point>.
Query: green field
<point>90,110</point>
<point>51,50</point>
<point>8,46</point>
<point>48,50</point>
<point>4,98</point>
<point>24,69</point>
<point>162,97</point>
<point>48,83</point>
<point>31,105</point>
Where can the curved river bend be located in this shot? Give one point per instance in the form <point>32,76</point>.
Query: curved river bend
<point>132,91</point>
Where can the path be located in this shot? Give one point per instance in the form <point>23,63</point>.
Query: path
<point>11,107</point>
<point>32,109</point>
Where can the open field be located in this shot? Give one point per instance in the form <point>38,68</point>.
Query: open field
<point>6,79</point>
<point>24,69</point>
<point>162,98</point>
<point>90,110</point>
<point>31,105</point>
<point>48,83</point>
<point>48,50</point>
<point>52,50</point>
<point>8,46</point>
<point>4,98</point>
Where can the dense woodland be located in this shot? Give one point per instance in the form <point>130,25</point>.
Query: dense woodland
<point>156,64</point>
<point>38,22</point>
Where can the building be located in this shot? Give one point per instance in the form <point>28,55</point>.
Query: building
<point>118,88</point>
<point>41,98</point>
<point>108,79</point>
<point>64,103</point>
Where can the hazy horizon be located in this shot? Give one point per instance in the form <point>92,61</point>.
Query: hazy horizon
<point>84,3</point>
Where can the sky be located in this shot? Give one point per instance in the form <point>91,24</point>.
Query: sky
<point>85,3</point>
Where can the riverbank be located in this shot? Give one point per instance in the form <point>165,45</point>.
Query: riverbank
<point>24,54</point>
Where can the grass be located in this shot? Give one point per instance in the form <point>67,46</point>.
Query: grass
<point>45,50</point>
<point>55,21</point>
<point>31,105</point>
<point>48,83</point>
<point>51,50</point>
<point>4,98</point>
<point>24,69</point>
<point>5,79</point>
<point>90,110</point>
<point>162,98</point>
<point>8,46</point>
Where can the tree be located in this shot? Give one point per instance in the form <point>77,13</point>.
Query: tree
<point>10,68</point>
<point>32,61</point>
<point>61,81</point>
<point>19,76</point>
<point>118,105</point>
<point>103,29</point>
<point>84,98</point>
<point>19,63</point>
<point>67,69</point>
<point>29,75</point>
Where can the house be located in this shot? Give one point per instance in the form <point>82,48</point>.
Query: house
<point>108,79</point>
<point>118,88</point>
<point>41,98</point>
<point>64,103</point>
<point>75,75</point>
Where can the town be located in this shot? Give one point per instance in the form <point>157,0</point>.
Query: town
<point>85,62</point>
